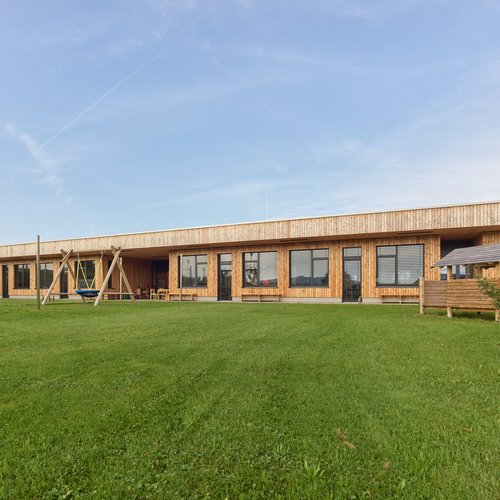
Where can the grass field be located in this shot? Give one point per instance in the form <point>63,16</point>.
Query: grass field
<point>246,401</point>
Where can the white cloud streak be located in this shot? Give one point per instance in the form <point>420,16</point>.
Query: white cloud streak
<point>48,166</point>
<point>38,151</point>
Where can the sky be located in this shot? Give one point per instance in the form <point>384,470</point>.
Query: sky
<point>122,116</point>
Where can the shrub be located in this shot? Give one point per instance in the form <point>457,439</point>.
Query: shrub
<point>491,289</point>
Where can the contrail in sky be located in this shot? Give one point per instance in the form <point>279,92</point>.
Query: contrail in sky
<point>88,109</point>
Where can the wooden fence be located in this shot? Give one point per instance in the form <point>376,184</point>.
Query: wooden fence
<point>455,294</point>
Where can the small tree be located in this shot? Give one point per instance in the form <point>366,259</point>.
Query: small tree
<point>491,289</point>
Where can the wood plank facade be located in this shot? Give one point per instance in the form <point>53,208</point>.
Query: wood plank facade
<point>430,227</point>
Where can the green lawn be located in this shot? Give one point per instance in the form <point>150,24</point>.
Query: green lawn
<point>246,401</point>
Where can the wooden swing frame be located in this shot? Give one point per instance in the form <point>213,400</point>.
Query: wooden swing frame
<point>115,263</point>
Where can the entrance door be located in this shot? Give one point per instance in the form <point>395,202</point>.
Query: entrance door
<point>225,267</point>
<point>63,283</point>
<point>351,291</point>
<point>159,274</point>
<point>5,282</point>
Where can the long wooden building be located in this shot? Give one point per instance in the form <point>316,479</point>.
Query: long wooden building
<point>368,257</point>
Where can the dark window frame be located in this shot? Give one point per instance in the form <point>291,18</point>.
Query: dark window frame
<point>244,284</point>
<point>311,250</point>
<point>43,280</point>
<point>22,270</point>
<point>196,264</point>
<point>396,268</point>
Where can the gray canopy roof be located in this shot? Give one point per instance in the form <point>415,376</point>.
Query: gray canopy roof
<point>481,254</point>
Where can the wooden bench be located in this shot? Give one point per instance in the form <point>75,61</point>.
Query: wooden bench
<point>117,295</point>
<point>260,297</point>
<point>399,299</point>
<point>66,295</point>
<point>177,296</point>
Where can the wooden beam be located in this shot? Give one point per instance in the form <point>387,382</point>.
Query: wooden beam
<point>422,295</point>
<point>56,277</point>
<point>70,271</point>
<point>108,275</point>
<point>449,277</point>
<point>37,271</point>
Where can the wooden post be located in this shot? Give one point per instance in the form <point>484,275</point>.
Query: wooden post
<point>121,281</point>
<point>449,277</point>
<point>108,275</point>
<point>56,277</point>
<point>37,271</point>
<point>422,295</point>
<point>497,315</point>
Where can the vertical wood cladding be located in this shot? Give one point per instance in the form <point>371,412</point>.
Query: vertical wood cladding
<point>488,238</point>
<point>380,224</point>
<point>138,273</point>
<point>334,289</point>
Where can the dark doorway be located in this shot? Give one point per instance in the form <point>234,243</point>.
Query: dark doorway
<point>159,277</point>
<point>5,282</point>
<point>63,283</point>
<point>225,268</point>
<point>351,290</point>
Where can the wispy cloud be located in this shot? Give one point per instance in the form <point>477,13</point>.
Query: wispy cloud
<point>47,166</point>
<point>40,149</point>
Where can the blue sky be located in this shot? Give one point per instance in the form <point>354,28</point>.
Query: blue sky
<point>122,116</point>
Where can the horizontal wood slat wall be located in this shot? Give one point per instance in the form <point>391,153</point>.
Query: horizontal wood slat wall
<point>457,294</point>
<point>434,293</point>
<point>465,294</point>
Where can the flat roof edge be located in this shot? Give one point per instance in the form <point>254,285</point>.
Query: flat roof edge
<point>373,212</point>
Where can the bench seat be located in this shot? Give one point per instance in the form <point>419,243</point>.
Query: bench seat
<point>261,297</point>
<point>177,296</point>
<point>399,298</point>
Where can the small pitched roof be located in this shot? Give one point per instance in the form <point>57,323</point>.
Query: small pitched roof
<point>481,254</point>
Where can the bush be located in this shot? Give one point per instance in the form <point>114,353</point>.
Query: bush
<point>491,289</point>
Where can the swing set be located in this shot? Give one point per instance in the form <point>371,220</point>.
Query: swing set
<point>89,290</point>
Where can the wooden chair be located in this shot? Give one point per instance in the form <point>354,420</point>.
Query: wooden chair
<point>152,294</point>
<point>162,294</point>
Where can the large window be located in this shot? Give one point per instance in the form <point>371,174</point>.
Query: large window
<point>22,276</point>
<point>194,270</point>
<point>46,274</point>
<point>400,265</point>
<point>309,268</point>
<point>260,269</point>
<point>85,273</point>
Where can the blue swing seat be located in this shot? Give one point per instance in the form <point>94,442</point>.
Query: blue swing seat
<point>87,293</point>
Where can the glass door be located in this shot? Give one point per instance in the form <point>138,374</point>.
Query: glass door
<point>225,268</point>
<point>5,282</point>
<point>63,283</point>
<point>351,290</point>
<point>159,277</point>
